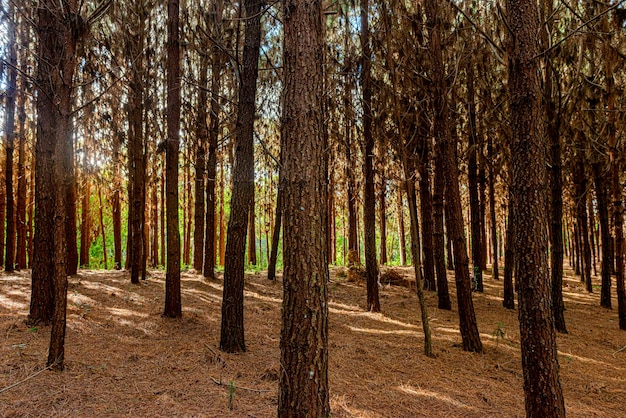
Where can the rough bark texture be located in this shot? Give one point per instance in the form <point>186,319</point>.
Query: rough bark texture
<point>21,184</point>
<point>605,233</point>
<point>439,243</point>
<point>58,29</point>
<point>232,330</point>
<point>426,207</point>
<point>9,115</point>
<point>542,388</point>
<point>202,134</point>
<point>369,196</point>
<point>116,211</point>
<point>509,260</point>
<point>580,184</point>
<point>303,387</point>
<point>492,210</point>
<point>454,214</point>
<point>472,167</point>
<point>85,225</point>
<point>278,217</point>
<point>173,305</point>
<point>214,128</point>
<point>401,228</point>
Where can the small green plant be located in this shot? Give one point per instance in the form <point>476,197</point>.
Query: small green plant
<point>498,333</point>
<point>231,394</point>
<point>33,329</point>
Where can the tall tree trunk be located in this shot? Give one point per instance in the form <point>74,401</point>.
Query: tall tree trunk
<point>540,364</point>
<point>202,134</point>
<point>426,206</point>
<point>214,128</point>
<point>232,328</point>
<point>439,239</point>
<point>70,201</point>
<point>9,116</point>
<point>271,268</point>
<point>58,34</point>
<point>472,167</point>
<point>21,184</point>
<point>303,388</point>
<point>409,183</point>
<point>605,234</point>
<point>116,212</point>
<point>454,214</point>
<point>85,224</point>
<point>580,184</point>
<point>401,229</point>
<point>382,216</point>
<point>492,210</point>
<point>369,200</point>
<point>173,305</point>
<point>102,230</point>
<point>252,232</point>
<point>509,260</point>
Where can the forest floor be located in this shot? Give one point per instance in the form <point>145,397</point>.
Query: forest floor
<point>124,359</point>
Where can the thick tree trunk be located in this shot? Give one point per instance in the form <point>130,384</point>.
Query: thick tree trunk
<point>173,304</point>
<point>232,329</point>
<point>540,365</point>
<point>303,387</point>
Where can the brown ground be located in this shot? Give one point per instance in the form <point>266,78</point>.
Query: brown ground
<point>124,359</point>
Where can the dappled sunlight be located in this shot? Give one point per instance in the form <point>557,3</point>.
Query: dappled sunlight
<point>128,290</point>
<point>255,295</point>
<point>202,295</point>
<point>425,393</point>
<point>126,313</point>
<point>12,304</point>
<point>569,356</point>
<point>345,307</point>
<point>384,331</point>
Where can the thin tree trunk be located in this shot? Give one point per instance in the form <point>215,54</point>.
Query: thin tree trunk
<point>426,206</point>
<point>605,233</point>
<point>9,116</point>
<point>209,233</point>
<point>102,230</point>
<point>492,210</point>
<point>21,184</point>
<point>475,212</point>
<point>401,229</point>
<point>271,268</point>
<point>369,200</point>
<point>85,225</point>
<point>232,327</point>
<point>252,233</point>
<point>439,239</point>
<point>509,260</point>
<point>382,213</point>
<point>202,135</point>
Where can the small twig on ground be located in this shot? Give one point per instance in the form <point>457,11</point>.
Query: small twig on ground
<point>27,379</point>
<point>621,349</point>
<point>219,383</point>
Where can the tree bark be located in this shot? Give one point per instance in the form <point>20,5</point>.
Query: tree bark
<point>605,233</point>
<point>492,210</point>
<point>454,214</point>
<point>369,200</point>
<point>232,329</point>
<point>303,387</point>
<point>9,116</point>
<point>202,134</point>
<point>271,268</point>
<point>21,184</point>
<point>509,260</point>
<point>173,304</point>
<point>426,206</point>
<point>439,240</point>
<point>401,229</point>
<point>542,388</point>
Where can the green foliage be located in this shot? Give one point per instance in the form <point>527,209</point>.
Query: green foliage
<point>231,394</point>
<point>498,333</point>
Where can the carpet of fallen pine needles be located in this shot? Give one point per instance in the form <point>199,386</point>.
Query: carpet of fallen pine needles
<point>124,359</point>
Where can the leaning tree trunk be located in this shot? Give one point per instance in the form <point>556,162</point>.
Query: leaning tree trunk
<point>232,329</point>
<point>454,214</point>
<point>173,305</point>
<point>303,388</point>
<point>542,388</point>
